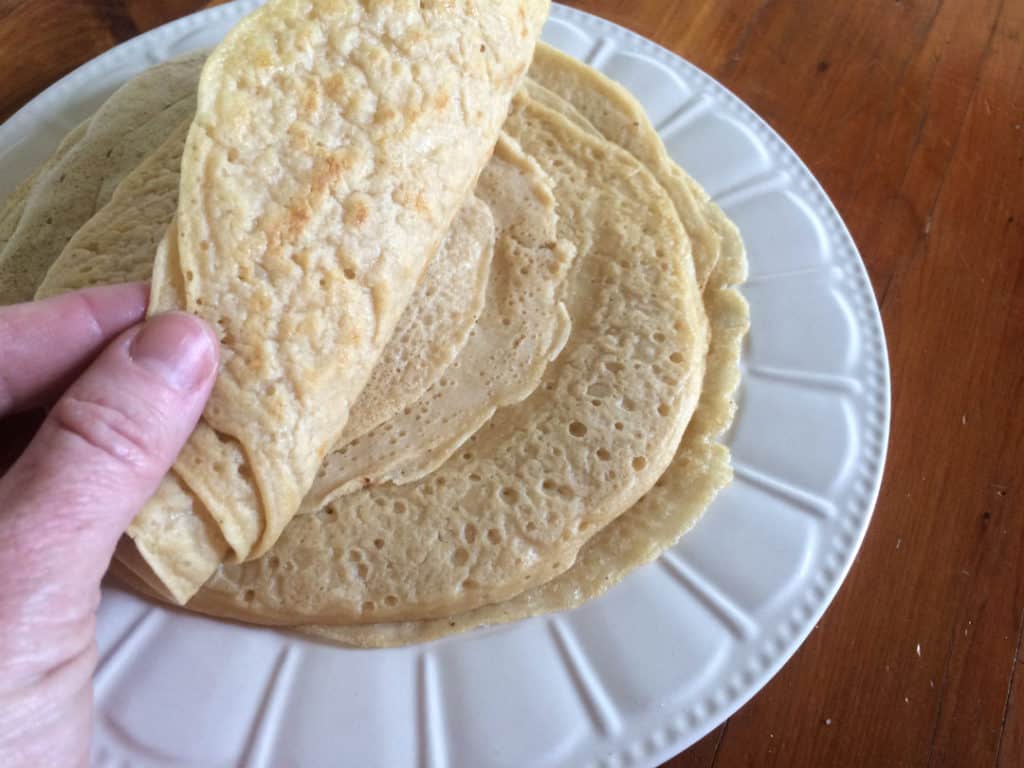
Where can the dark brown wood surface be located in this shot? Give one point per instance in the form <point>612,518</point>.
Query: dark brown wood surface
<point>911,113</point>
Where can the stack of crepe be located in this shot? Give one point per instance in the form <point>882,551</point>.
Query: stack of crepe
<point>480,334</point>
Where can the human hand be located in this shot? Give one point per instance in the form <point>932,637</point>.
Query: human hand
<point>112,433</point>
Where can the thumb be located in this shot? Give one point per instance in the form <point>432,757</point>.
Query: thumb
<point>102,451</point>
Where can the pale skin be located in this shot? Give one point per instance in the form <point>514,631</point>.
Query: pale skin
<point>124,395</point>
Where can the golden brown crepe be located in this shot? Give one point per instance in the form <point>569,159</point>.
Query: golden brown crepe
<point>332,145</point>
<point>511,510</point>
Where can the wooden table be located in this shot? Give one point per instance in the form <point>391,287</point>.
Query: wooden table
<point>911,112</point>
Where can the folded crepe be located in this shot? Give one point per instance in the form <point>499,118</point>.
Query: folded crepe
<point>332,145</point>
<point>367,549</point>
<point>701,465</point>
<point>409,418</point>
<point>512,508</point>
<point>119,243</point>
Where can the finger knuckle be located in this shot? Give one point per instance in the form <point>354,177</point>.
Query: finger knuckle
<point>106,428</point>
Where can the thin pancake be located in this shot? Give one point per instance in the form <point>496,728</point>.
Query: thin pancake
<point>435,326</point>
<point>699,470</point>
<point>14,205</point>
<point>332,146</point>
<point>513,509</point>
<point>128,127</point>
<point>523,326</point>
<point>118,244</point>
<point>620,118</point>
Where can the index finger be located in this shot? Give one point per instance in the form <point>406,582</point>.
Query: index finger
<point>43,344</point>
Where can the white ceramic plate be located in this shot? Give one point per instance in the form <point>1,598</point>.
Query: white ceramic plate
<point>639,674</point>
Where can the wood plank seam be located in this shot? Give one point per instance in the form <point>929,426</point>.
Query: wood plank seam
<point>954,145</point>
<point>1014,669</point>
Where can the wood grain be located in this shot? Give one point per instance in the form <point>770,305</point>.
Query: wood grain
<point>911,113</point>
